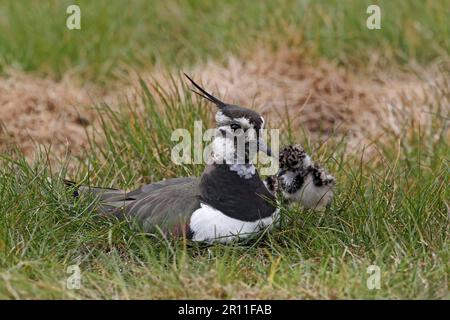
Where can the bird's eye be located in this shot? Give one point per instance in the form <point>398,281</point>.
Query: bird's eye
<point>235,126</point>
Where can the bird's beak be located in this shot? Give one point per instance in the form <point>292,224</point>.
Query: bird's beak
<point>264,148</point>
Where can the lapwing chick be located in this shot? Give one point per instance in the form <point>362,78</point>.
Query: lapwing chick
<point>301,180</point>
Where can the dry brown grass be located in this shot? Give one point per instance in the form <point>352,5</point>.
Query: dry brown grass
<point>35,111</point>
<point>322,97</point>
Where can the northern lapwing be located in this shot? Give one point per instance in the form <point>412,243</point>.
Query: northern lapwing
<point>227,202</point>
<point>301,180</point>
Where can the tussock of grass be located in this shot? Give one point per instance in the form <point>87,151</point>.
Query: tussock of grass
<point>391,211</point>
<point>321,97</point>
<point>140,132</point>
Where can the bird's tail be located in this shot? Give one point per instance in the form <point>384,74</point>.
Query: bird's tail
<point>105,194</point>
<point>108,200</point>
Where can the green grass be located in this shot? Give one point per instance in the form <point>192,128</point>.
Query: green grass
<point>391,212</point>
<point>117,35</point>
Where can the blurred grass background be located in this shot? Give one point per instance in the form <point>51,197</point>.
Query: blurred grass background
<point>140,33</point>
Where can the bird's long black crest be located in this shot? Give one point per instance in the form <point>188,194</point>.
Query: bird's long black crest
<point>204,94</point>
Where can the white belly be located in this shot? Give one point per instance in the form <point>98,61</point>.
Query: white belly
<point>209,225</point>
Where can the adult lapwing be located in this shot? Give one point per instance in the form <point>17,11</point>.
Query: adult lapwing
<point>228,201</point>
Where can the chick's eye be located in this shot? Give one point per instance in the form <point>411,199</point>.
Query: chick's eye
<point>235,126</point>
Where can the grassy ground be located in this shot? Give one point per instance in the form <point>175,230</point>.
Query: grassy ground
<point>391,211</point>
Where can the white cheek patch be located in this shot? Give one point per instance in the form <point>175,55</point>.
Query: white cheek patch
<point>221,118</point>
<point>224,153</point>
<point>223,150</point>
<point>210,225</point>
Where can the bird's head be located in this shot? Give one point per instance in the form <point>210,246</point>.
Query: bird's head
<point>239,130</point>
<point>293,158</point>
